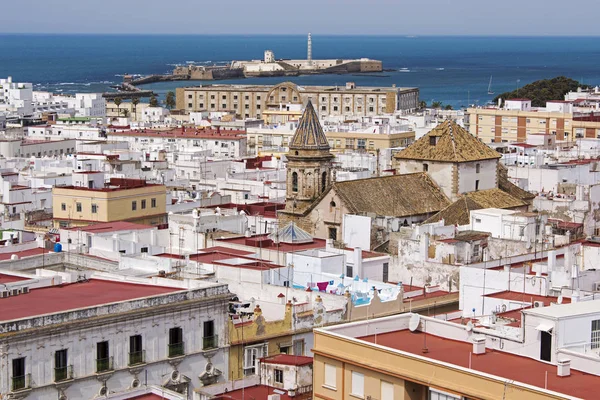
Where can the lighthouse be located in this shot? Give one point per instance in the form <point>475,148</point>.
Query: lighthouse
<point>309,52</point>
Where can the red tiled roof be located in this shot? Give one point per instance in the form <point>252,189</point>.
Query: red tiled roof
<point>286,359</point>
<point>94,292</point>
<point>4,278</point>
<point>526,297</point>
<point>498,363</point>
<point>316,243</point>
<point>258,392</point>
<point>25,253</point>
<point>186,133</point>
<point>564,224</point>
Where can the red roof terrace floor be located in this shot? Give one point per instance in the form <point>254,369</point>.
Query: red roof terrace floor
<point>55,299</point>
<point>501,364</point>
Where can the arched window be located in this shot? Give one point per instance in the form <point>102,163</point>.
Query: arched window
<point>323,181</point>
<point>294,181</point>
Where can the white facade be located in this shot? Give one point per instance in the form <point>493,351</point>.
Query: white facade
<point>508,224</point>
<point>16,98</point>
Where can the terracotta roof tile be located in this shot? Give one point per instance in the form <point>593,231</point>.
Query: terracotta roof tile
<point>452,144</point>
<point>309,134</point>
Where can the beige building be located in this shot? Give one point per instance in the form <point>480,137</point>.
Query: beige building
<point>500,125</point>
<point>260,139</point>
<point>251,101</point>
<point>126,109</point>
<point>130,200</point>
<point>405,357</point>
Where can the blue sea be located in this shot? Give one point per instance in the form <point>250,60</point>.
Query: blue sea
<point>453,70</point>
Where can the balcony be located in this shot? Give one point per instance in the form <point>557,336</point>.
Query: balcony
<point>137,358</point>
<point>63,373</point>
<point>210,342</point>
<point>22,382</point>
<point>175,349</point>
<point>104,364</point>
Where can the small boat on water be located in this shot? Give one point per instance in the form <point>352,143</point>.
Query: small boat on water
<point>490,86</point>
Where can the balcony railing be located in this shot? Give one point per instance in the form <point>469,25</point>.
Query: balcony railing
<point>104,364</point>
<point>21,382</point>
<point>137,357</point>
<point>63,373</point>
<point>210,342</point>
<point>175,349</point>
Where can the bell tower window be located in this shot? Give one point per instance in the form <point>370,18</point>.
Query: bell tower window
<point>323,181</point>
<point>294,181</point>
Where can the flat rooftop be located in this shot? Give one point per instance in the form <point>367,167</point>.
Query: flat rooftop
<point>112,227</point>
<point>10,278</point>
<point>505,365</point>
<point>25,253</point>
<point>287,359</point>
<point>261,242</point>
<point>258,392</point>
<point>59,298</point>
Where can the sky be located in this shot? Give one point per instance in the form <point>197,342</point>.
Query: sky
<point>343,17</point>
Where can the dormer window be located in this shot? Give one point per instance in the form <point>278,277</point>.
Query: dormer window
<point>432,140</point>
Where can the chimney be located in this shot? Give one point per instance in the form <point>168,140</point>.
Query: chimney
<point>563,367</point>
<point>479,345</point>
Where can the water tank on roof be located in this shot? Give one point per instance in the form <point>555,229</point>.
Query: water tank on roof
<point>57,248</point>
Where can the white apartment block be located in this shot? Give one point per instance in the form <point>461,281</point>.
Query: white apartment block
<point>96,335</point>
<point>16,98</point>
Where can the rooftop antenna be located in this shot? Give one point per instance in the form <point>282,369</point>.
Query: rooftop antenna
<point>309,52</point>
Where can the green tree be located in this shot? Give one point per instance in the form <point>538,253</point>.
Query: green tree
<point>135,101</point>
<point>542,91</point>
<point>448,107</point>
<point>170,100</point>
<point>153,101</point>
<point>126,113</point>
<point>118,102</point>
<point>422,104</point>
<point>436,104</point>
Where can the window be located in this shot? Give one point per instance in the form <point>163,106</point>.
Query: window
<point>323,181</point>
<point>333,233</point>
<point>133,205</point>
<point>78,207</point>
<point>323,108</point>
<point>143,204</point>
<point>209,339</point>
<point>136,353</point>
<point>61,370</point>
<point>361,144</point>
<point>94,208</point>
<point>153,203</point>
<point>175,342</point>
<point>63,207</point>
<point>349,271</point>
<point>298,346</point>
<point>349,143</point>
<point>252,354</point>
<point>595,339</point>
<point>294,181</point>
<point>425,167</point>
<point>521,231</point>
<point>477,168</point>
<point>18,374</point>
<point>387,391</point>
<point>439,395</point>
<point>278,375</point>
<point>330,376</point>
<point>432,140</point>
<point>371,109</point>
<point>476,250</point>
<point>358,384</point>
<point>477,184</point>
<point>144,250</point>
<point>103,360</point>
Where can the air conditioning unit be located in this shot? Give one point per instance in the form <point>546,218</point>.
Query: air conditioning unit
<point>25,289</point>
<point>537,304</point>
<point>596,286</point>
<point>4,294</point>
<point>15,292</point>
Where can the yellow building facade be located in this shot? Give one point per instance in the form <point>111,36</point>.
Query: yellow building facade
<point>79,206</point>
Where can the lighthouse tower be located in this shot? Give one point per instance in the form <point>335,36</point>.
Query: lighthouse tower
<point>309,55</point>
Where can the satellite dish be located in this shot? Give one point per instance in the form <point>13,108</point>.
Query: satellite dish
<point>414,322</point>
<point>469,326</point>
<point>560,299</point>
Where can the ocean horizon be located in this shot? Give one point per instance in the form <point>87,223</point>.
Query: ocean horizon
<point>454,70</point>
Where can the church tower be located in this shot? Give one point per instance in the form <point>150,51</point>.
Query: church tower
<point>309,163</point>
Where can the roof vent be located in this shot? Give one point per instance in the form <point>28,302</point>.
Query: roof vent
<point>479,345</point>
<point>563,367</point>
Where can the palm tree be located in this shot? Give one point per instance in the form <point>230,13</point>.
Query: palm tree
<point>135,101</point>
<point>125,113</point>
<point>153,101</point>
<point>118,104</point>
